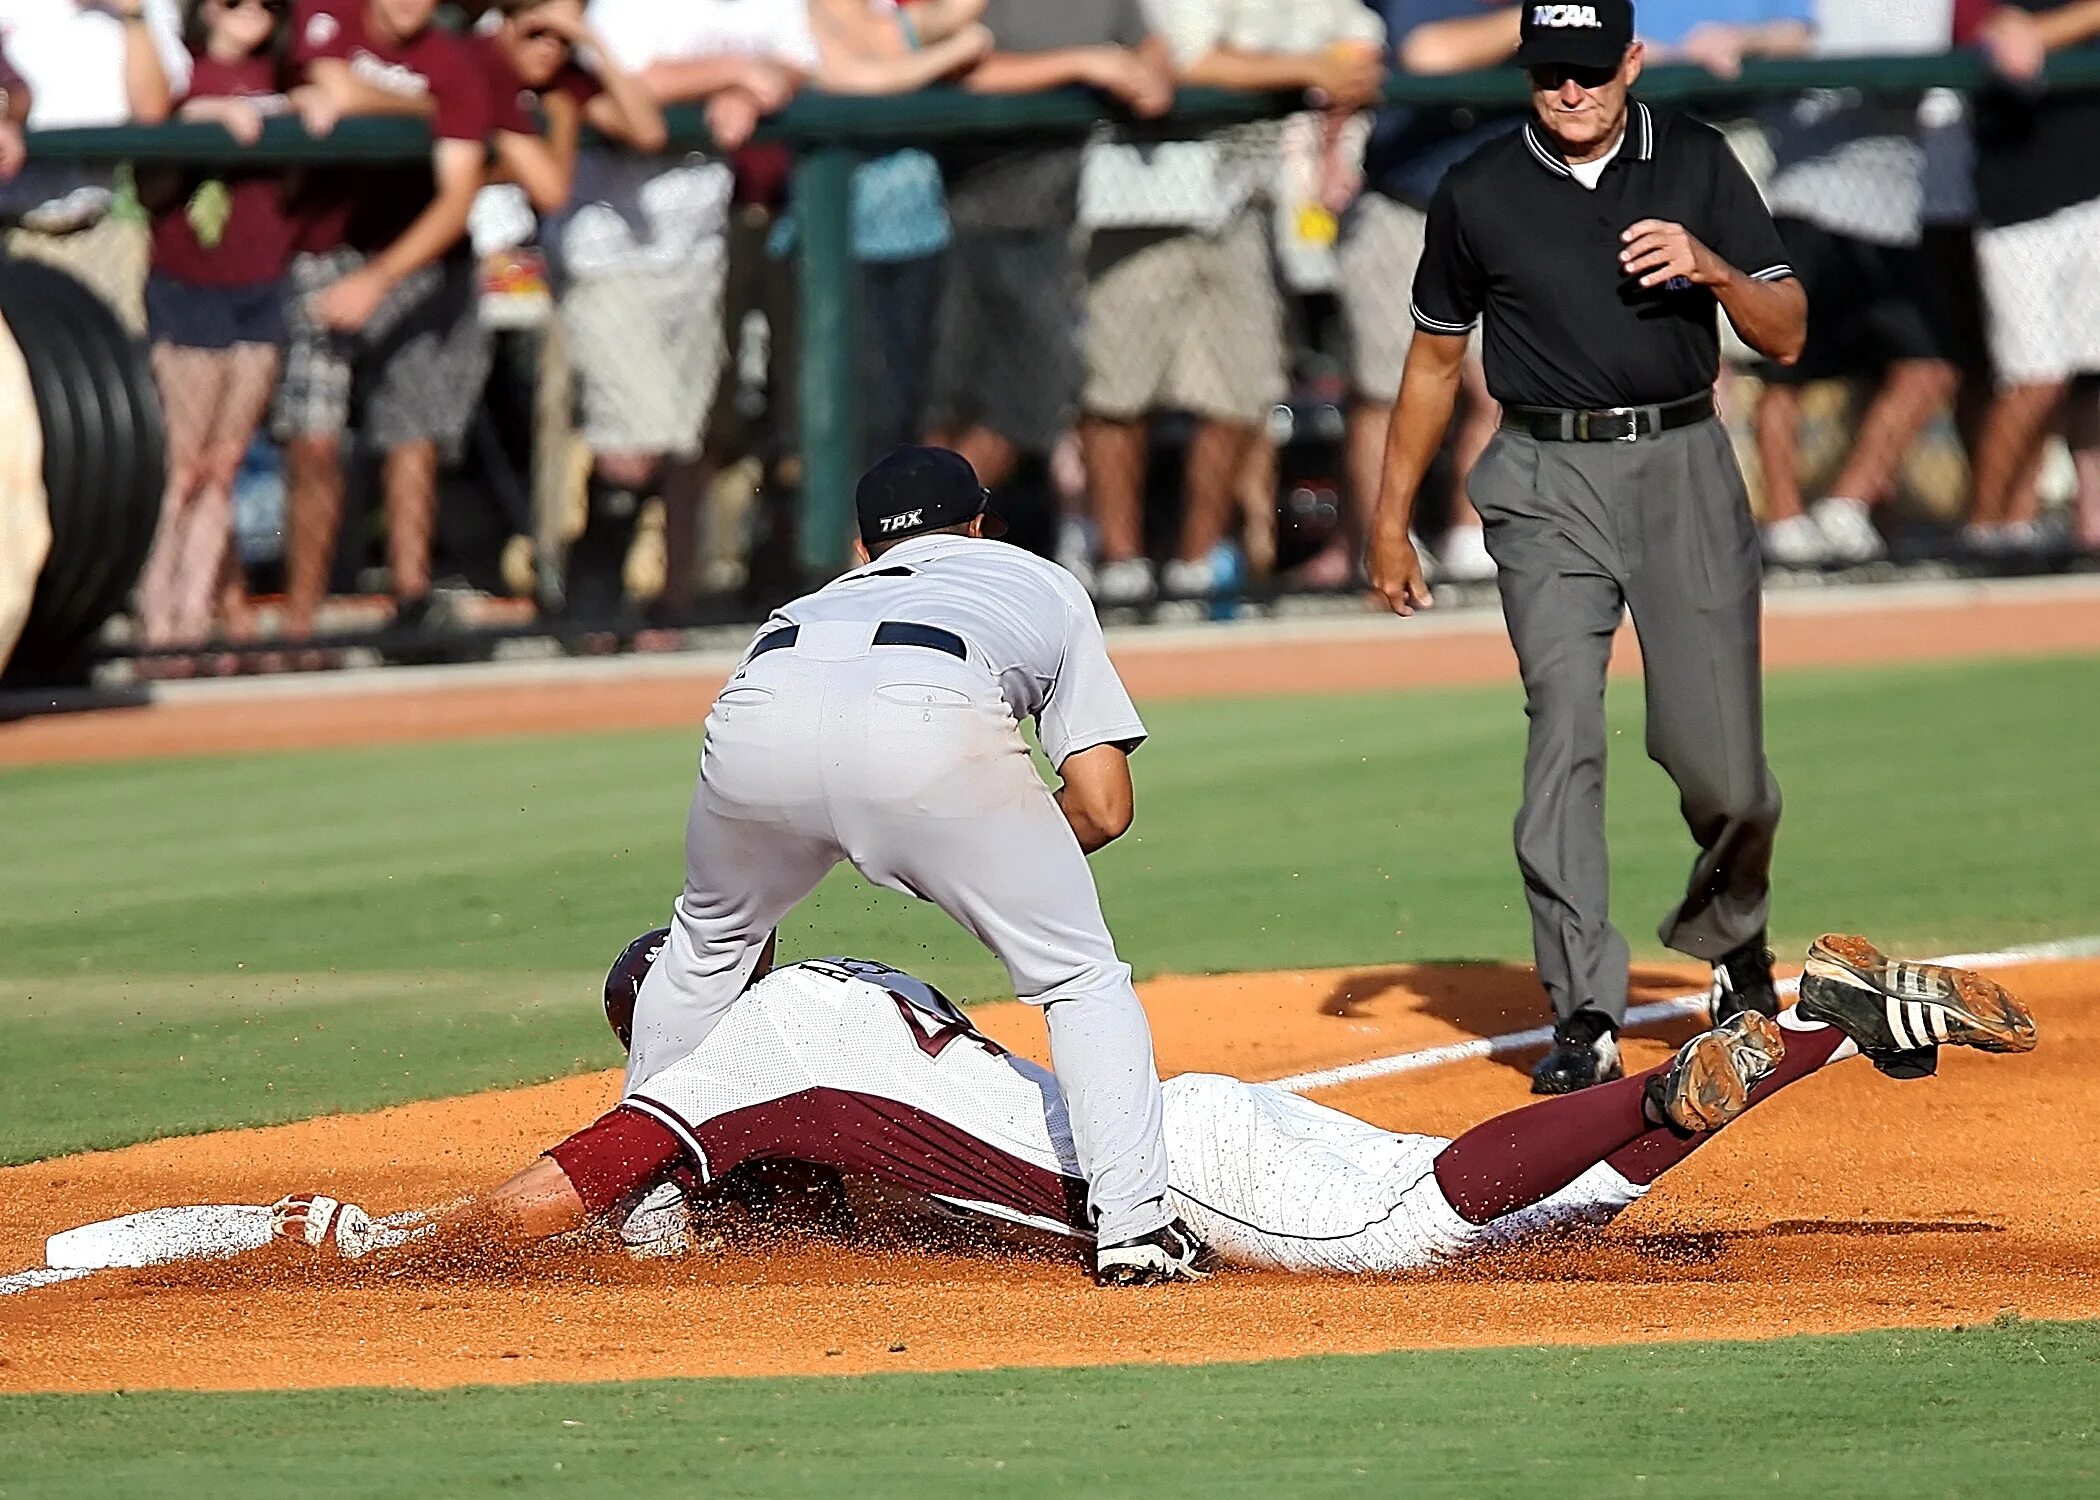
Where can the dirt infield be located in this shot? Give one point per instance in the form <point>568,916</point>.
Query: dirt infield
<point>1850,1202</point>
<point>1851,627</point>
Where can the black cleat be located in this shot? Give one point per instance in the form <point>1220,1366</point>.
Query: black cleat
<point>1168,1253</point>
<point>1743,981</point>
<point>1585,1051</point>
<point>1902,1013</point>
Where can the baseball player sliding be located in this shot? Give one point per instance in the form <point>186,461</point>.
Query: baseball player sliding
<point>867,1073</point>
<point>876,722</point>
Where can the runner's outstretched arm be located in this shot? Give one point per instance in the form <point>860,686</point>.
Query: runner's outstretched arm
<point>586,1177</point>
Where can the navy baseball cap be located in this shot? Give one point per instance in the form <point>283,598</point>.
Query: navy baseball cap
<point>913,489</point>
<point>1591,34</point>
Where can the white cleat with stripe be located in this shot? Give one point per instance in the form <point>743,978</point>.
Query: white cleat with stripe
<point>1901,1013</point>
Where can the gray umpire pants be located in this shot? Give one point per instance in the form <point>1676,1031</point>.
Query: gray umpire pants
<point>907,764</point>
<point>1581,532</point>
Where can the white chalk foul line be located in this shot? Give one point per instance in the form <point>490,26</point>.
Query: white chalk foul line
<point>30,1280</point>
<point>1675,1008</point>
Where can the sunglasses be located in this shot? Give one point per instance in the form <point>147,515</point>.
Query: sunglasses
<point>268,7</point>
<point>1550,77</point>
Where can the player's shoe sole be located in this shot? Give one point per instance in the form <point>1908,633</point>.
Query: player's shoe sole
<point>1901,1013</point>
<point>1708,1083</point>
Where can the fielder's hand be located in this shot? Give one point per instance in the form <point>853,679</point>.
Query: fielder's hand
<point>317,1220</point>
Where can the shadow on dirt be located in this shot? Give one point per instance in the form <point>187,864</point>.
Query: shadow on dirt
<point>1486,998</point>
<point>1701,1246</point>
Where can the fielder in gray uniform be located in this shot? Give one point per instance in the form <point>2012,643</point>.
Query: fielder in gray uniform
<point>876,721</point>
<point>1597,247</point>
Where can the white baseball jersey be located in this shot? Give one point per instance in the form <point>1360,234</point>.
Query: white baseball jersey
<point>858,1067</point>
<point>1269,1179</point>
<point>852,1065</point>
<point>900,752</point>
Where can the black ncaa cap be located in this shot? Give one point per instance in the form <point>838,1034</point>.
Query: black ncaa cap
<point>913,489</point>
<point>1592,34</point>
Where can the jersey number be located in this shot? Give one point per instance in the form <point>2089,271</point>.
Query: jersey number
<point>935,1036</point>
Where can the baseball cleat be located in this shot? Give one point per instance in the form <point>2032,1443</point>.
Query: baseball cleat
<point>1585,1052</point>
<point>1901,1013</point>
<point>1708,1083</point>
<point>1169,1253</point>
<point>1743,981</point>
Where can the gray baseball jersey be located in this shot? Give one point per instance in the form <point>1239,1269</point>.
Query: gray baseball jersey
<point>907,761</point>
<point>1027,621</point>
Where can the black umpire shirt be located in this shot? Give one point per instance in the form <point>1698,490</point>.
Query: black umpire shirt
<point>1512,234</point>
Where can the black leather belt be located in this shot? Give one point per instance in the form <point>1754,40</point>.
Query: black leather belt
<point>888,633</point>
<point>1619,424</point>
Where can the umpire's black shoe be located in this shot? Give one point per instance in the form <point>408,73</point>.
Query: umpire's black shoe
<point>1585,1051</point>
<point>1902,1013</point>
<point>1743,981</point>
<point>1168,1253</point>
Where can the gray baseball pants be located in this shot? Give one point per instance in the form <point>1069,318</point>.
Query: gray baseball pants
<point>906,763</point>
<point>1581,532</point>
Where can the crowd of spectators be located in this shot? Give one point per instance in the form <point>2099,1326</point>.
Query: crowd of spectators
<point>1037,304</point>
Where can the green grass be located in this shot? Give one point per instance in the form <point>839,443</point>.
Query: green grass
<point>194,943</point>
<point>1905,1414</point>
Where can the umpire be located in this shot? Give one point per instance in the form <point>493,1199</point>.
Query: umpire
<point>1597,243</point>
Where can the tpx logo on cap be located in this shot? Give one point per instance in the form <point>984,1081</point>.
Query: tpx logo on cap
<point>1565,15</point>
<point>915,489</point>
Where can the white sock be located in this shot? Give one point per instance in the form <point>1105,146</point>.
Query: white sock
<point>1792,1020</point>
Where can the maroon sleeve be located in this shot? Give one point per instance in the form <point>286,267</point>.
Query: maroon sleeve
<point>1969,16</point>
<point>506,91</point>
<point>610,1159</point>
<point>579,84</point>
<point>209,79</point>
<point>459,87</point>
<point>325,28</point>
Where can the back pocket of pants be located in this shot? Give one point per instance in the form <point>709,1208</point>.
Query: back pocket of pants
<point>924,695</point>
<point>740,700</point>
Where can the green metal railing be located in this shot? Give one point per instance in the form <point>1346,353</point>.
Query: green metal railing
<point>833,134</point>
<point>815,119</point>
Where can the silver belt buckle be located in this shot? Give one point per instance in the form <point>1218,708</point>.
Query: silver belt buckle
<point>1633,423</point>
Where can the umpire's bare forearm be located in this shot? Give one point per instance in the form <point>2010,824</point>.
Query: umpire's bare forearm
<point>1428,396</point>
<point>1771,316</point>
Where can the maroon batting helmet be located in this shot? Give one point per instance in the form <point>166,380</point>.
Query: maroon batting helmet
<point>623,982</point>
